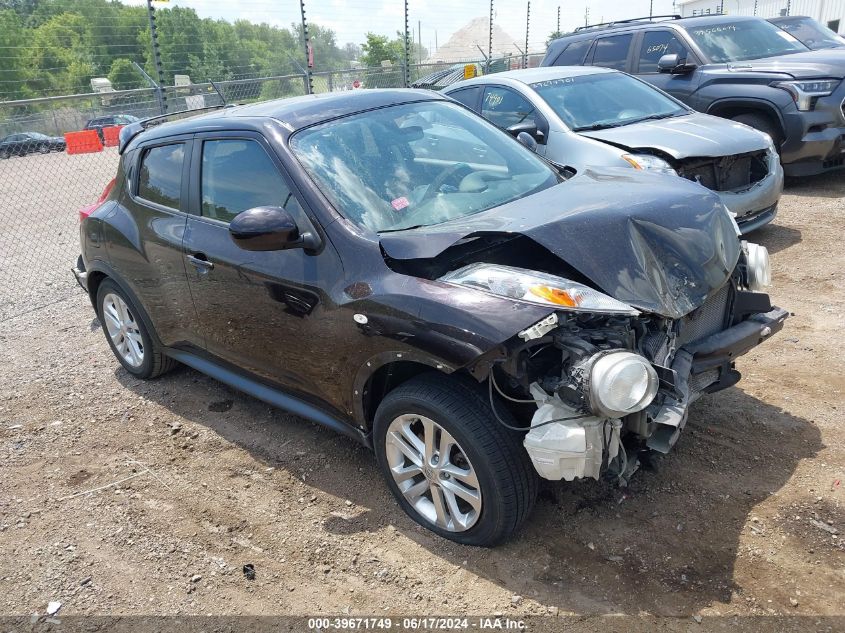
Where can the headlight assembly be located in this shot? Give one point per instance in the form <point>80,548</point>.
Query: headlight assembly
<point>620,383</point>
<point>536,287</point>
<point>647,162</point>
<point>805,93</point>
<point>758,270</point>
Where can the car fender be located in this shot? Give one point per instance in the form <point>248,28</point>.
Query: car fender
<point>98,267</point>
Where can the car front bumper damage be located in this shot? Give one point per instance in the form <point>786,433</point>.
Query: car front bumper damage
<point>713,353</point>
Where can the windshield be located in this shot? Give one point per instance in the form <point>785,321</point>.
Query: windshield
<point>417,164</point>
<point>38,135</point>
<point>811,33</point>
<point>748,39</point>
<point>592,102</point>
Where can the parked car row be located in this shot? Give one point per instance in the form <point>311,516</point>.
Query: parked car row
<point>25,143</point>
<point>393,266</point>
<point>741,68</point>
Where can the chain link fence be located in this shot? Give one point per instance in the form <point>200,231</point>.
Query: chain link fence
<point>43,185</point>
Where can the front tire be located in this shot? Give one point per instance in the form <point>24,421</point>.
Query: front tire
<point>127,334</point>
<point>761,123</point>
<point>451,466</point>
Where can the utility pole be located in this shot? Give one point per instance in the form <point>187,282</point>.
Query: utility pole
<point>651,9</point>
<point>587,16</point>
<point>527,24</point>
<point>419,41</point>
<point>558,19</point>
<point>309,58</point>
<point>162,98</point>
<point>406,72</point>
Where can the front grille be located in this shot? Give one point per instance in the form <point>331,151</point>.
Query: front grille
<point>727,173</point>
<point>707,319</point>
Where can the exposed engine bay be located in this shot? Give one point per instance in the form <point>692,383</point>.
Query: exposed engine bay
<point>602,389</point>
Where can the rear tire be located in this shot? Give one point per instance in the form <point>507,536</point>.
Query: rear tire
<point>4,154</point>
<point>127,334</point>
<point>469,452</point>
<point>761,123</point>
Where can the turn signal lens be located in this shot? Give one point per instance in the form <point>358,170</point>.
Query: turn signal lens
<point>555,295</point>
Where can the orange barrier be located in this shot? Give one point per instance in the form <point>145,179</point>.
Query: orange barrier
<point>84,142</point>
<point>111,135</point>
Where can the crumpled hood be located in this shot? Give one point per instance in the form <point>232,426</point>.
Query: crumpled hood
<point>827,63</point>
<point>685,136</point>
<point>659,243</point>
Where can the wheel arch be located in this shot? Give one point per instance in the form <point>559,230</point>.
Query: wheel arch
<point>100,272</point>
<point>730,108</point>
<point>382,373</point>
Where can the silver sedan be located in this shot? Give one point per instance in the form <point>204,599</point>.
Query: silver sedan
<point>591,116</point>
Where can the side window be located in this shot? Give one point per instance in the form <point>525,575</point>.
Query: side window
<point>504,107</point>
<point>655,45</point>
<point>467,96</point>
<point>612,52</point>
<point>237,175</point>
<point>160,177</point>
<point>573,55</point>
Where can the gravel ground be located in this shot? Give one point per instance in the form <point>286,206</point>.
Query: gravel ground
<point>744,517</point>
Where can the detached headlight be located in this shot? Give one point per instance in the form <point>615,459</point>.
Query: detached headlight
<point>621,383</point>
<point>535,287</point>
<point>804,93</point>
<point>758,270</point>
<point>647,162</point>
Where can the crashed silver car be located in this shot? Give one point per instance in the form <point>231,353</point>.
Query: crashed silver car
<point>576,115</point>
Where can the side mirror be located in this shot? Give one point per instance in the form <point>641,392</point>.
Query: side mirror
<point>266,229</point>
<point>526,139</point>
<point>529,127</point>
<point>675,64</point>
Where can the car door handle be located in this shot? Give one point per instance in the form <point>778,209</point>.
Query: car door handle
<point>201,262</point>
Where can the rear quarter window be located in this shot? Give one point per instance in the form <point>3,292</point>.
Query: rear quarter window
<point>573,54</point>
<point>160,175</point>
<point>612,52</point>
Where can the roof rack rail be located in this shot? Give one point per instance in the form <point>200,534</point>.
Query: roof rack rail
<point>652,18</point>
<point>128,132</point>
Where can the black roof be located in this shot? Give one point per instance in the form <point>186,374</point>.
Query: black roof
<point>294,113</point>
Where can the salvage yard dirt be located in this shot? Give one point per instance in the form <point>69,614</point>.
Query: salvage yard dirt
<point>746,516</point>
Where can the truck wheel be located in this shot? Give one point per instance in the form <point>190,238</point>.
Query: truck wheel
<point>761,123</point>
<point>451,466</point>
<point>127,335</point>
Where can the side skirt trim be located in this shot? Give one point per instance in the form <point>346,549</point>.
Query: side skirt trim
<point>267,394</point>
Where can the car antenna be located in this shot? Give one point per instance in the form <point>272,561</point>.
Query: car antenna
<point>217,90</point>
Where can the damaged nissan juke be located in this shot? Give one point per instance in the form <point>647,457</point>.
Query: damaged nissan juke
<point>392,266</point>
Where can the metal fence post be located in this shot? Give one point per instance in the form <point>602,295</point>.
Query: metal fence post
<point>162,99</point>
<point>406,62</point>
<point>527,25</point>
<point>490,38</point>
<point>309,84</point>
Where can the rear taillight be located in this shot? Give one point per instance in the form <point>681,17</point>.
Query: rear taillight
<point>84,212</point>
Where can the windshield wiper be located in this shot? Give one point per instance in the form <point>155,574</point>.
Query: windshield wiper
<point>596,126</point>
<point>404,228</point>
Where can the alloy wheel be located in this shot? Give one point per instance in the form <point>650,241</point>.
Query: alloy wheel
<point>433,472</point>
<point>123,330</point>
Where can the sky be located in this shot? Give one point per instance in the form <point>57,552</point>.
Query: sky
<point>352,19</point>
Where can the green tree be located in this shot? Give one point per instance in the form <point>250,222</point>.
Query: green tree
<point>379,48</point>
<point>124,76</point>
<point>553,36</point>
<point>13,64</point>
